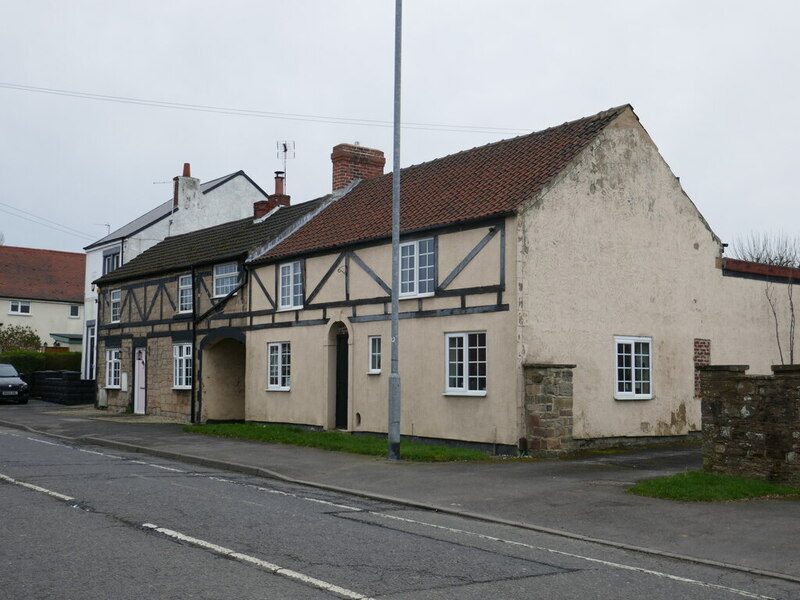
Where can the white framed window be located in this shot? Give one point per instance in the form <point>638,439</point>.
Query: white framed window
<point>113,364</point>
<point>74,311</point>
<point>182,366</point>
<point>291,285</point>
<point>279,366</point>
<point>226,277</point>
<point>185,294</point>
<point>19,307</point>
<point>111,260</point>
<point>417,268</point>
<point>374,354</point>
<point>116,305</point>
<point>634,375</point>
<point>465,361</point>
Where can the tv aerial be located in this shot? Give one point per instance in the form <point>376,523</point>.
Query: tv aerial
<point>285,152</point>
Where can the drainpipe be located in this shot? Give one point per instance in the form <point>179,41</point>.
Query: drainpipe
<point>194,412</point>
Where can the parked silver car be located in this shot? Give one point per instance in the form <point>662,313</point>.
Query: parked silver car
<point>11,385</point>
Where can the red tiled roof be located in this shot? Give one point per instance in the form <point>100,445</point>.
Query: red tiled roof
<point>33,274</point>
<point>474,184</point>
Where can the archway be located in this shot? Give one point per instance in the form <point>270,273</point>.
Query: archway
<point>223,380</point>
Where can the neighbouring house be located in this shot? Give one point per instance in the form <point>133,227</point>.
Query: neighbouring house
<point>193,206</point>
<point>43,289</point>
<point>557,290</point>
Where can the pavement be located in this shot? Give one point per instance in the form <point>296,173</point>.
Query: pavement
<point>582,498</point>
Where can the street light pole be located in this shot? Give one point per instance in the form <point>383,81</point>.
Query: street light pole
<point>394,377</point>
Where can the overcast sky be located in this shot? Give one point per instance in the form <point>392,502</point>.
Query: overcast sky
<point>715,83</point>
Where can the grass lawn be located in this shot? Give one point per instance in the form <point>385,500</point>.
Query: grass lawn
<point>336,440</point>
<point>706,487</point>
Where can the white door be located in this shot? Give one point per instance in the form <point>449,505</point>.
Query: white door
<point>140,386</point>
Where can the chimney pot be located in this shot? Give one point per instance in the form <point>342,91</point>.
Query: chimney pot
<point>279,182</point>
<point>187,170</point>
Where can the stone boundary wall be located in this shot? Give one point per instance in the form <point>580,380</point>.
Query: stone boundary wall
<point>751,423</point>
<point>548,410</point>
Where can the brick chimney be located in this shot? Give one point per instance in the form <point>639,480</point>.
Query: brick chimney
<point>185,189</point>
<point>351,161</point>
<point>262,207</point>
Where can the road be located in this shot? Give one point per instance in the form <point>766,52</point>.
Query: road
<point>82,522</point>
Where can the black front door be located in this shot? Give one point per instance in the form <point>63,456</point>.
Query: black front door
<point>341,380</point>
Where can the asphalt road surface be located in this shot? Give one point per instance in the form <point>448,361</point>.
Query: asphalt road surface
<point>86,523</point>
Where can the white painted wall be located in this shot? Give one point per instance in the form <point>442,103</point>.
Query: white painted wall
<point>230,201</point>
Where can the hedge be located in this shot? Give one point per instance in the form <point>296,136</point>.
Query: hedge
<point>24,361</point>
<point>27,361</point>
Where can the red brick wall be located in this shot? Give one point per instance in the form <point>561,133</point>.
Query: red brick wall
<point>702,358</point>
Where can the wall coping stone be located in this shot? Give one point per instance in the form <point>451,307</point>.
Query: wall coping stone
<point>548,366</point>
<point>786,368</point>
<point>731,368</point>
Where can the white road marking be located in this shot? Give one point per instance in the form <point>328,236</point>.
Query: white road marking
<point>36,488</point>
<point>272,568</point>
<point>45,442</point>
<point>165,468</point>
<point>100,453</point>
<point>607,563</point>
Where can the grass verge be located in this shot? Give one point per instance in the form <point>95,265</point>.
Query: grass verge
<point>336,440</point>
<point>699,486</point>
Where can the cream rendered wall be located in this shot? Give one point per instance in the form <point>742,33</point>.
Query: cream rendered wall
<point>45,318</point>
<point>615,247</point>
<point>426,411</point>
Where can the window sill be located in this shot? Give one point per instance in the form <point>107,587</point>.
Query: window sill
<point>236,293</point>
<point>633,398</point>
<point>13,314</point>
<point>181,387</point>
<point>415,296</point>
<point>473,394</point>
<point>373,372</point>
<point>182,315</point>
<point>278,389</point>
<point>289,308</point>
<point>113,387</point>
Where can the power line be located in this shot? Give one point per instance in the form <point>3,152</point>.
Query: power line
<point>243,112</point>
<point>43,222</point>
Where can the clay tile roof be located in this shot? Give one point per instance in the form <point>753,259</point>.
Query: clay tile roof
<point>474,184</point>
<point>33,274</point>
<point>228,241</point>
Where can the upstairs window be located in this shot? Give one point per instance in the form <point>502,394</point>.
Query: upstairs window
<point>633,370</point>
<point>74,311</point>
<point>116,305</point>
<point>291,285</point>
<point>226,277</point>
<point>417,268</point>
<point>466,363</point>
<point>111,260</point>
<point>185,294</point>
<point>19,307</point>
<point>279,366</point>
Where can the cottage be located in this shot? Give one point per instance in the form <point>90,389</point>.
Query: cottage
<point>558,288</point>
